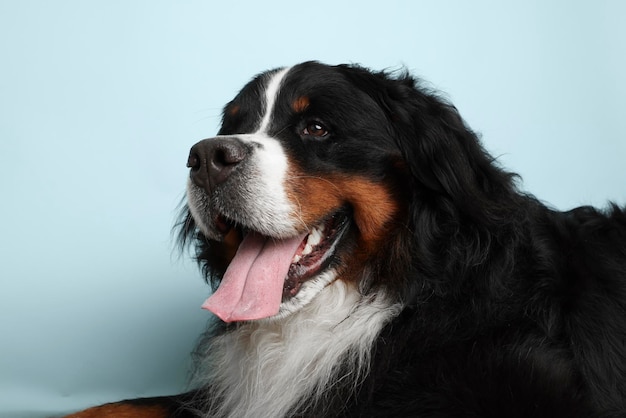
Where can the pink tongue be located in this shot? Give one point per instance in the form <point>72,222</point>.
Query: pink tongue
<point>252,286</point>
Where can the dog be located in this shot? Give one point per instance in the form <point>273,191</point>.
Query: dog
<point>370,259</point>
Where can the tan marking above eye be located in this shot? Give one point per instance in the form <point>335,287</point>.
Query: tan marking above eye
<point>300,104</point>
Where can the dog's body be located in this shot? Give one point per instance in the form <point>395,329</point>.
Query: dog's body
<point>371,260</point>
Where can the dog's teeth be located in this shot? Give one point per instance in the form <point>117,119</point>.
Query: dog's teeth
<point>314,237</point>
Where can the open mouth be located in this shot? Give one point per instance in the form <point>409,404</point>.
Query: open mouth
<point>267,271</point>
<point>314,253</point>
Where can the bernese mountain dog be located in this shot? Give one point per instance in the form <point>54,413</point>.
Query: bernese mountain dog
<point>370,259</point>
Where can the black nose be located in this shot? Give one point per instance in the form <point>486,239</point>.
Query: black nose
<point>212,160</point>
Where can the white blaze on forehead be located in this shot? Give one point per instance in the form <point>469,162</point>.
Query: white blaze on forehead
<point>271,93</point>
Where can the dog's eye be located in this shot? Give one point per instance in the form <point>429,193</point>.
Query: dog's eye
<point>315,129</point>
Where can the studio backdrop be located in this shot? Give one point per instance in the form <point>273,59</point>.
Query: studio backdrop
<point>101,100</point>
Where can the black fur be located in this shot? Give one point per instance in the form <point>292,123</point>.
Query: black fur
<point>512,309</point>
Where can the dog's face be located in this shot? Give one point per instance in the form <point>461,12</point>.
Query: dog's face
<point>299,189</point>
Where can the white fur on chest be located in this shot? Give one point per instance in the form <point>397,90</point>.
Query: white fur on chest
<point>267,368</point>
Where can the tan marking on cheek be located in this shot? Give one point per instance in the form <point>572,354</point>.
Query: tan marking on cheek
<point>374,207</point>
<point>314,197</point>
<point>300,104</point>
<point>373,203</point>
<point>376,213</point>
<point>377,209</point>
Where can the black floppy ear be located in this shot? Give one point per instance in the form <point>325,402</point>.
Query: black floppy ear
<point>442,152</point>
<point>449,168</point>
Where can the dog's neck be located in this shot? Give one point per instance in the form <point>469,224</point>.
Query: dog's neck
<point>270,368</point>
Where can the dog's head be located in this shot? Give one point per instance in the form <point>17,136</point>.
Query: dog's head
<point>320,173</point>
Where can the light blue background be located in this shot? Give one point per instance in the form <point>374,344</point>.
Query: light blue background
<point>101,100</point>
